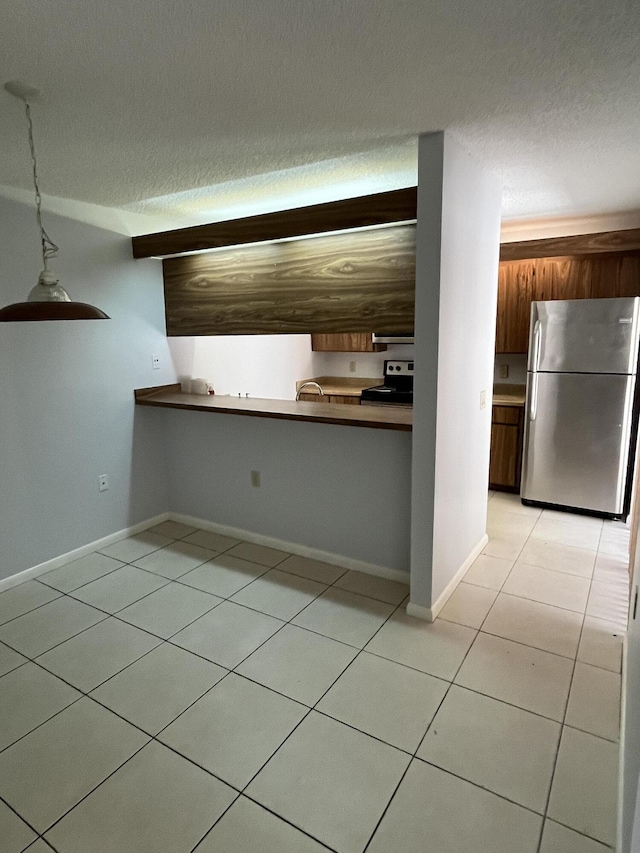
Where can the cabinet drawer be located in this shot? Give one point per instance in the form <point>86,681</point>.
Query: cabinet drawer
<point>506,415</point>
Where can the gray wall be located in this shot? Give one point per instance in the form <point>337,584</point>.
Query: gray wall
<point>458,242</point>
<point>66,394</point>
<point>345,490</point>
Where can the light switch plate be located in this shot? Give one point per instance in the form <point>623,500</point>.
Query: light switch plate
<point>503,371</point>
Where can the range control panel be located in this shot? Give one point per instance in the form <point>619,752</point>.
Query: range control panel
<point>398,368</point>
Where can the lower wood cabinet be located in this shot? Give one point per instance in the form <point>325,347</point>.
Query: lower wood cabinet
<point>356,342</point>
<point>505,467</point>
<point>350,399</point>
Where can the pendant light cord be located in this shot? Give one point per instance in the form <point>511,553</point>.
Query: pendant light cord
<point>49,248</point>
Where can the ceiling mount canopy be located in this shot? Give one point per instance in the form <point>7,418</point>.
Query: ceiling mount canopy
<point>47,300</point>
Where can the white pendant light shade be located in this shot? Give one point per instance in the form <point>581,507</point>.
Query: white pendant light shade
<point>47,300</point>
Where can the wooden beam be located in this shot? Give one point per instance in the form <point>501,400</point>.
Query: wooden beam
<point>368,210</point>
<point>582,244</point>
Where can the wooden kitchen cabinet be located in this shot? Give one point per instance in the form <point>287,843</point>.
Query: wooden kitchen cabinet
<point>350,399</point>
<point>505,467</point>
<point>356,342</point>
<point>574,277</point>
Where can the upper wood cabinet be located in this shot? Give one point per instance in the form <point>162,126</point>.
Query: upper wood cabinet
<point>576,277</point>
<point>356,342</point>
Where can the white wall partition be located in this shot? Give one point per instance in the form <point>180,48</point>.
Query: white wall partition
<point>458,237</point>
<point>66,394</point>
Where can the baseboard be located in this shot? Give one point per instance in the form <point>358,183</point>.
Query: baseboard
<point>623,728</point>
<point>293,548</point>
<point>429,614</point>
<point>77,553</point>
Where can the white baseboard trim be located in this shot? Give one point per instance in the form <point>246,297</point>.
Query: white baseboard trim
<point>293,548</point>
<point>77,553</point>
<point>623,733</point>
<point>429,614</point>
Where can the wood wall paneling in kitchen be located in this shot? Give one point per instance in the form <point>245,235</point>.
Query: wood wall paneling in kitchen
<point>340,283</point>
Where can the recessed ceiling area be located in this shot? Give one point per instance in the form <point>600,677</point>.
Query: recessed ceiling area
<point>183,110</point>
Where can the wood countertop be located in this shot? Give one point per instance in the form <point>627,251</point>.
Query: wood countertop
<point>509,395</point>
<point>374,417</point>
<point>341,386</point>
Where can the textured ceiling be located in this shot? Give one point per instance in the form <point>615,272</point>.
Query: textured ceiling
<point>191,107</point>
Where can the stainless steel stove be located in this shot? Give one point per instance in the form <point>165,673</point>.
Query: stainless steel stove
<point>397,389</point>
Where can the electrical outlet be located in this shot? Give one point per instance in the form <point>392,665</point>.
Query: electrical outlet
<point>483,399</point>
<point>103,482</point>
<point>255,479</point>
<point>352,367</point>
<point>155,362</point>
<point>503,371</point>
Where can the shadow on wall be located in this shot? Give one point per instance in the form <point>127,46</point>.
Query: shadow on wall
<point>148,484</point>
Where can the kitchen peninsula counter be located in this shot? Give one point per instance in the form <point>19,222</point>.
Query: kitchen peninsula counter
<point>509,395</point>
<point>373,417</point>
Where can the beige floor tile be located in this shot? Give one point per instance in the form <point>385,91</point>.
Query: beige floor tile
<point>21,599</point>
<point>53,768</point>
<point>158,687</point>
<point>42,629</point>
<point>511,503</point>
<point>328,769</point>
<point>607,602</point>
<point>504,547</point>
<point>223,576</point>
<point>157,796</point>
<point>612,569</point>
<point>258,554</point>
<point>344,616</point>
<point>91,657</point>
<point>79,572</point>
<point>558,557</point>
<point>227,634</point>
<point>584,790</point>
<point>468,605</point>
<point>572,518</point>
<point>567,533</point>
<point>594,701</point>
<point>489,572</point>
<point>135,547</point>
<point>9,659</point>
<point>298,663</point>
<point>501,748</point>
<point>437,648</point>
<point>435,812</point>
<point>28,697</point>
<point>170,609</point>
<point>380,588</point>
<point>39,846</point>
<point>614,541</point>
<point>175,560</point>
<point>528,678</point>
<point>385,699</point>
<point>119,589</point>
<point>173,529</point>
<point>248,828</point>
<point>551,629</point>
<point>279,594</point>
<point>15,833</point>
<point>212,541</point>
<point>315,570</point>
<point>559,839</point>
<point>548,587</point>
<point>234,729</point>
<point>601,644</point>
<point>500,521</point>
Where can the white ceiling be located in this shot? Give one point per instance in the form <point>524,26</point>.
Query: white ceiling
<point>205,108</point>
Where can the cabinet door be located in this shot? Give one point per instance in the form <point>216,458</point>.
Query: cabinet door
<point>356,342</point>
<point>312,398</point>
<point>515,292</point>
<point>504,456</point>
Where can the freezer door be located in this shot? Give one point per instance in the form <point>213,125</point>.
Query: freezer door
<point>584,335</point>
<point>577,434</point>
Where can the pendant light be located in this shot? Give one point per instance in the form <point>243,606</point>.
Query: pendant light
<point>47,300</point>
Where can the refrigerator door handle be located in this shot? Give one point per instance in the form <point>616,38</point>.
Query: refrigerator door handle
<point>533,398</point>
<point>537,337</point>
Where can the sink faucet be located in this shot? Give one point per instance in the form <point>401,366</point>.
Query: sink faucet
<point>305,384</point>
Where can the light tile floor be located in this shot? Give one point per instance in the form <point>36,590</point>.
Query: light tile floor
<point>184,692</point>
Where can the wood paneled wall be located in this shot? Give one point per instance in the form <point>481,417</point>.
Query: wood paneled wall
<point>352,282</point>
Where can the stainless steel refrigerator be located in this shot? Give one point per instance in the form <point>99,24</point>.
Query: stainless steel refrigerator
<point>581,415</point>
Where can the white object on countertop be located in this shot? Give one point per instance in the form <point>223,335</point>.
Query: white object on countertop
<point>199,386</point>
